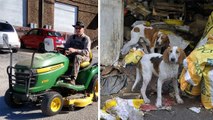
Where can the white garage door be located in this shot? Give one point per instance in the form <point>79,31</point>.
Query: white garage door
<point>64,17</point>
<point>13,11</point>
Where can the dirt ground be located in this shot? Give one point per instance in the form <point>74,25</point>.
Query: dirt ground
<point>177,112</point>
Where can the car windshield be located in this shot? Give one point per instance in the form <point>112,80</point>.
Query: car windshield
<point>53,33</point>
<point>6,27</point>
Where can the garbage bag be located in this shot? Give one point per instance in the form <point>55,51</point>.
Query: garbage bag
<point>113,84</point>
<point>207,87</point>
<point>124,109</point>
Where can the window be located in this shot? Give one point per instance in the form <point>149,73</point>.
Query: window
<point>4,27</point>
<point>33,32</point>
<point>53,33</point>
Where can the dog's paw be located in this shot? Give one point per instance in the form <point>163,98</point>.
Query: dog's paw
<point>180,101</point>
<point>158,104</point>
<point>146,101</point>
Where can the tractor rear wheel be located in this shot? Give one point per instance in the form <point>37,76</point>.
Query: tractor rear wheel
<point>93,87</point>
<point>52,103</point>
<point>11,101</point>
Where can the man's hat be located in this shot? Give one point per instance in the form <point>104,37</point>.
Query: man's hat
<point>79,24</point>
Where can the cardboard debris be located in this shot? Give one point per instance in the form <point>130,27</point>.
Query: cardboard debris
<point>138,9</point>
<point>164,9</point>
<point>106,70</point>
<point>148,107</point>
<point>176,40</point>
<point>168,102</point>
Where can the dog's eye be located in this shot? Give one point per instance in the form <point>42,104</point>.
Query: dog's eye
<point>177,52</point>
<point>170,51</point>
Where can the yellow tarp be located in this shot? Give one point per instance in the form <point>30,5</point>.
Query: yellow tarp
<point>197,75</point>
<point>196,62</point>
<point>195,78</point>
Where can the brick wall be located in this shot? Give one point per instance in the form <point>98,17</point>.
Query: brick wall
<point>48,14</point>
<point>33,11</point>
<point>87,9</point>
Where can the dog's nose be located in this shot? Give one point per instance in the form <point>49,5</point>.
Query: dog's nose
<point>172,59</point>
<point>157,43</point>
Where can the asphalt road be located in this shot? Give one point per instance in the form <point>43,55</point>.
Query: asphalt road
<point>31,111</point>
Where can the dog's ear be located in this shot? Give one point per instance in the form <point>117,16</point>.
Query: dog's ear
<point>182,56</point>
<point>154,38</point>
<point>166,55</point>
<point>165,38</point>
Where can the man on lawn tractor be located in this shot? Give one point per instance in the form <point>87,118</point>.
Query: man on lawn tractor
<point>78,49</point>
<point>41,78</point>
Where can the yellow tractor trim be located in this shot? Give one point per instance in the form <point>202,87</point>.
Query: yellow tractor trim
<point>79,102</point>
<point>55,104</point>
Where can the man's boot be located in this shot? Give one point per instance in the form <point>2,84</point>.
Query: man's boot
<point>72,81</point>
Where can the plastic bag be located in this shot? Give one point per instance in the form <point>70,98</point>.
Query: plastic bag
<point>124,109</point>
<point>206,88</point>
<point>133,56</point>
<point>196,62</point>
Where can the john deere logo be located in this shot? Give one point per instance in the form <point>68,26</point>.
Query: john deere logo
<point>51,68</point>
<point>45,81</point>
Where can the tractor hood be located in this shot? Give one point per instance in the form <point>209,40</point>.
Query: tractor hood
<point>44,60</point>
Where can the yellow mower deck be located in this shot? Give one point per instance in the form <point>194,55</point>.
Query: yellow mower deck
<point>80,102</point>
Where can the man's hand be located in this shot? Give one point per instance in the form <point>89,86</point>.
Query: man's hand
<point>70,51</point>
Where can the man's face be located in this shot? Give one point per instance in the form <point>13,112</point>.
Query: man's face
<point>79,30</point>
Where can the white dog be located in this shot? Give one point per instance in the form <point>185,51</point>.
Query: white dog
<point>149,37</point>
<point>165,67</point>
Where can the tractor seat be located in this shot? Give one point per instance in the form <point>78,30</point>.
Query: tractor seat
<point>86,63</point>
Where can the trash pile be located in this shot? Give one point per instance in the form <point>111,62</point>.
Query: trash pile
<point>196,78</point>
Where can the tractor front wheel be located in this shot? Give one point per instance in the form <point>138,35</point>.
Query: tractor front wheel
<point>11,101</point>
<point>52,103</point>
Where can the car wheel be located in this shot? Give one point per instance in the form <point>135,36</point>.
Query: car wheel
<point>93,87</point>
<point>41,48</point>
<point>11,101</point>
<point>22,45</point>
<point>52,103</point>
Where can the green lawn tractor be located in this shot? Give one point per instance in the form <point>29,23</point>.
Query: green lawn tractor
<point>41,80</point>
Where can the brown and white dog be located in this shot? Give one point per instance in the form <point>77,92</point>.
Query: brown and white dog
<point>165,67</point>
<point>151,38</point>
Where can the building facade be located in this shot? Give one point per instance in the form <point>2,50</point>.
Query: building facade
<point>59,15</point>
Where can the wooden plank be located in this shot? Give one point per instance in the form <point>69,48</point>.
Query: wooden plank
<point>168,8</point>
<point>169,4</point>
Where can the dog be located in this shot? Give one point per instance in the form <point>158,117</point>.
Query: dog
<point>149,38</point>
<point>165,67</point>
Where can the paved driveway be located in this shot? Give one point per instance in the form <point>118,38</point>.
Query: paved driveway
<point>33,112</point>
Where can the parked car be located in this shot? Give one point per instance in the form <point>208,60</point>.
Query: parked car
<point>35,38</point>
<point>6,29</point>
